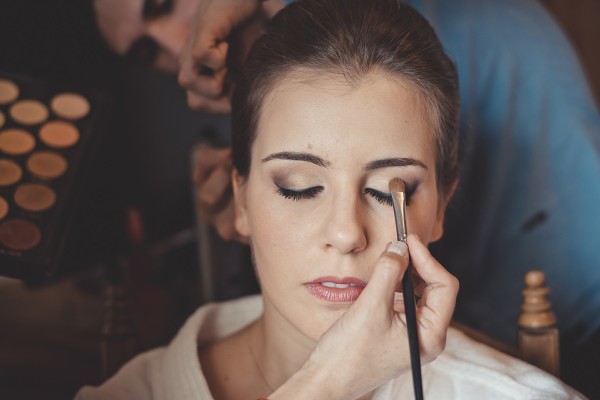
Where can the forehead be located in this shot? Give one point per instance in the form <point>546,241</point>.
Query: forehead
<point>379,113</point>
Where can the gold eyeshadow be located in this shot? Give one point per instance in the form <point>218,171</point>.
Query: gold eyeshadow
<point>19,234</point>
<point>46,164</point>
<point>9,91</point>
<point>16,142</point>
<point>70,106</point>
<point>10,172</point>
<point>47,136</point>
<point>34,197</point>
<point>3,208</point>
<point>59,134</point>
<point>29,112</point>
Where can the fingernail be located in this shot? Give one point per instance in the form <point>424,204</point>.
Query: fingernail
<point>399,248</point>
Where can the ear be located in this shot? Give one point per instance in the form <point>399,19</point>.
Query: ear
<point>239,198</point>
<point>438,229</point>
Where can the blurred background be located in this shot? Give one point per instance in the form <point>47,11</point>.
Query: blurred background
<point>51,333</point>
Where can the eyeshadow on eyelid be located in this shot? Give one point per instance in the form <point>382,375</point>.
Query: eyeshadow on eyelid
<point>294,176</point>
<point>294,183</point>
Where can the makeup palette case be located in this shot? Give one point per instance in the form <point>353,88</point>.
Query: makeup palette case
<point>48,138</point>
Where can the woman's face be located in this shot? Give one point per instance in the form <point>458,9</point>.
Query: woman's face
<point>316,202</point>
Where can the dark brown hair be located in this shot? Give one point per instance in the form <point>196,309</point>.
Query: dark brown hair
<point>351,38</point>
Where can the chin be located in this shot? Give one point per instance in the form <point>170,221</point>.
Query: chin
<point>321,322</point>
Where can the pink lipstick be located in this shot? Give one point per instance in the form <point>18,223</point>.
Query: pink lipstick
<point>336,290</point>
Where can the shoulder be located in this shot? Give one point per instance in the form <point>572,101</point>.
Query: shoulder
<point>132,381</point>
<point>521,34</point>
<point>174,372</point>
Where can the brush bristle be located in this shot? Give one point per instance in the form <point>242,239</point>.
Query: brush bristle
<point>396,185</point>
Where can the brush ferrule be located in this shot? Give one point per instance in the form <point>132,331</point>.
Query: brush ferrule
<point>399,202</point>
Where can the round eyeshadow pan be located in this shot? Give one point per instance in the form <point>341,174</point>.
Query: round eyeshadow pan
<point>29,112</point>
<point>46,164</point>
<point>3,207</point>
<point>2,119</point>
<point>9,91</point>
<point>70,105</point>
<point>34,197</point>
<point>59,134</point>
<point>10,172</point>
<point>19,234</point>
<point>16,142</point>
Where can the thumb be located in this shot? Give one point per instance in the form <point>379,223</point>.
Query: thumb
<point>387,274</point>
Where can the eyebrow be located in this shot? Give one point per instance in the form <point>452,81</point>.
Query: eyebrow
<point>294,156</point>
<point>311,158</point>
<point>394,162</point>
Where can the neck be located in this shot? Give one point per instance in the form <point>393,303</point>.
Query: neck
<point>279,348</point>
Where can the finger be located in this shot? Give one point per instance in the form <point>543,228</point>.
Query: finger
<point>206,159</point>
<point>212,56</point>
<point>387,273</point>
<point>205,82</point>
<point>399,303</point>
<point>224,222</point>
<point>222,105</point>
<point>440,290</point>
<point>205,46</point>
<point>215,190</point>
<point>429,269</point>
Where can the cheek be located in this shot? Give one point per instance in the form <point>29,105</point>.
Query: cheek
<point>421,219</point>
<point>276,228</point>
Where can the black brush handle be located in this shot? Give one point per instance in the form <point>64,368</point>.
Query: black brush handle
<point>408,293</point>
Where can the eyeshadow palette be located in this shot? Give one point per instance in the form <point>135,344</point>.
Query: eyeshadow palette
<point>47,139</point>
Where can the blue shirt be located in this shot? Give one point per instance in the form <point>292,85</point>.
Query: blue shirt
<point>530,184</point>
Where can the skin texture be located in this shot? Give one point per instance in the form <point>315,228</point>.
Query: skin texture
<point>342,231</point>
<point>307,347</point>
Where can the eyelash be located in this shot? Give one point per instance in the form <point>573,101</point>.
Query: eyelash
<point>312,192</point>
<point>298,195</point>
<point>381,197</point>
<point>386,198</point>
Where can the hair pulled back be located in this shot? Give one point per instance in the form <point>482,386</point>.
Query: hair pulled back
<point>351,38</point>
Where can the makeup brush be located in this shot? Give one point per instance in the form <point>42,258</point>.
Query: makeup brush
<point>398,192</point>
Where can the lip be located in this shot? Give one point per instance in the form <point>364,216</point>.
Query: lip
<point>334,294</point>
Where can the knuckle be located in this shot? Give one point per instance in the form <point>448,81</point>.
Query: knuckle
<point>456,282</point>
<point>196,102</point>
<point>389,262</point>
<point>183,79</point>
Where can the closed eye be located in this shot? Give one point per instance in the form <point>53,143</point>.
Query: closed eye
<point>381,197</point>
<point>386,198</point>
<point>299,194</point>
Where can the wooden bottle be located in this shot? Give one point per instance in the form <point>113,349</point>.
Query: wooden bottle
<point>538,335</point>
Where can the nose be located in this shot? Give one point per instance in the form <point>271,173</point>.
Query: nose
<point>344,228</point>
<point>170,36</point>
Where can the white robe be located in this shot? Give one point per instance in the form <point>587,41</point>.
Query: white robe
<point>465,370</point>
